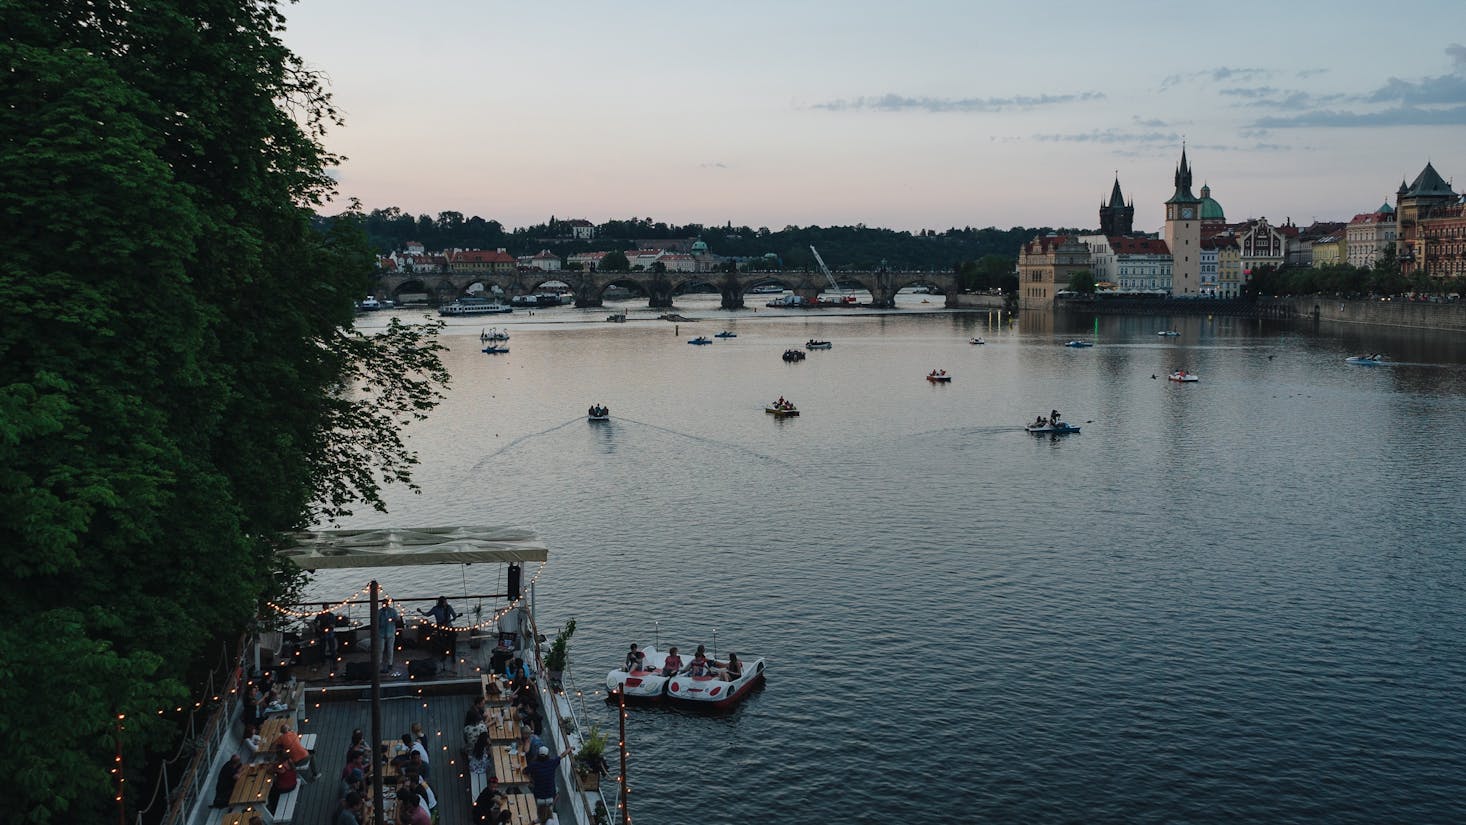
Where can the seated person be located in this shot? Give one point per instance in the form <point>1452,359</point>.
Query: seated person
<point>403,750</point>
<point>699,667</point>
<point>286,777</point>
<point>672,665</point>
<point>228,776</point>
<point>251,742</point>
<point>635,659</point>
<point>480,758</point>
<point>731,671</point>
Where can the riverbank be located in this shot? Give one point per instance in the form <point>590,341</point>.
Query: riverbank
<point>1443,317</point>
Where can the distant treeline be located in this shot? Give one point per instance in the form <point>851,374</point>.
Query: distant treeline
<point>856,247</point>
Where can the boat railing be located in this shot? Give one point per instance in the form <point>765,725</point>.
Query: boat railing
<point>557,712</point>
<point>180,793</point>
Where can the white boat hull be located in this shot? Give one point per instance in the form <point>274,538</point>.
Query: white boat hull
<point>641,685</point>
<point>713,693</point>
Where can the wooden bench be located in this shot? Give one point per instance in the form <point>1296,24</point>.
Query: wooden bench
<point>308,741</point>
<point>285,807</point>
<point>522,808</point>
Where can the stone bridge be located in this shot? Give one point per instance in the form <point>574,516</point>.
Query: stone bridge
<point>660,287</point>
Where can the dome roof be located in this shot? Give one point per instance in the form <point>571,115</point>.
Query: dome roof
<point>1210,209</point>
<point>1386,209</point>
<point>699,247</point>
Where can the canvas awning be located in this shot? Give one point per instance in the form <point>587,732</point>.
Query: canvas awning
<point>407,546</point>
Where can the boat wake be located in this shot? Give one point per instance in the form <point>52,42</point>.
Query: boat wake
<point>738,448</point>
<point>488,457</point>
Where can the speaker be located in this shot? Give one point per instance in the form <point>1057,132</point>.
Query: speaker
<point>358,671</point>
<point>513,582</point>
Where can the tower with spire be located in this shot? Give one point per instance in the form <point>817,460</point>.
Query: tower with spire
<point>1116,217</point>
<point>1183,233</point>
<point>1414,203</point>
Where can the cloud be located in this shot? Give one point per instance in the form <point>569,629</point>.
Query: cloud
<point>1400,116</point>
<point>1448,88</point>
<point>1149,122</point>
<point>714,164</point>
<point>1307,73</point>
<point>1216,75</point>
<point>1457,53</point>
<point>902,103</point>
<point>1109,136</point>
<point>1271,97</point>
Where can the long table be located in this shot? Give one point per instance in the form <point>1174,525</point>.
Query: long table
<point>254,785</point>
<point>509,767</point>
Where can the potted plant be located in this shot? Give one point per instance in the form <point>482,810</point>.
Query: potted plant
<point>559,654</point>
<point>590,760</point>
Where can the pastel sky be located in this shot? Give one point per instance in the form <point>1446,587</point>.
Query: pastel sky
<point>921,114</point>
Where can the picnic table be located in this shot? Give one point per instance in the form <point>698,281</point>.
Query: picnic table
<point>253,786</point>
<point>509,767</point>
<point>505,729</point>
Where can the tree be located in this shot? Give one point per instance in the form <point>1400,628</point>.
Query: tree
<point>1082,281</point>
<point>157,184</point>
<point>615,261</point>
<point>658,267</point>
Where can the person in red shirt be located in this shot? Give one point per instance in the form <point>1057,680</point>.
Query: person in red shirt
<point>287,778</point>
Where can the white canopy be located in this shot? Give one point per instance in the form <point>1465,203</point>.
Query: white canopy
<point>407,546</point>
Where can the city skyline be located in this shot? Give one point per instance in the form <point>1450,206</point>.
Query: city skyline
<point>931,116</point>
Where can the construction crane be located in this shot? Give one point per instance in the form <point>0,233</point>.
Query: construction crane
<point>840,296</point>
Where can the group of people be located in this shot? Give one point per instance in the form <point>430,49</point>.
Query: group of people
<point>598,410</point>
<point>290,763</point>
<point>1052,420</point>
<point>781,404</point>
<point>937,373</point>
<point>390,622</point>
<point>699,667</point>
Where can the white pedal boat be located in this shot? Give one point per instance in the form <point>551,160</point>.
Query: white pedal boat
<point>642,685</point>
<point>712,692</point>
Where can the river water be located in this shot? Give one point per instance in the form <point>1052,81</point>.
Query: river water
<point>1235,600</point>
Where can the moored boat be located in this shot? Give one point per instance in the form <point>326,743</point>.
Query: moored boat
<point>1168,332</point>
<point>369,304</point>
<point>1372,360</point>
<point>715,692</point>
<point>767,289</point>
<point>794,355</point>
<point>813,344</point>
<point>976,341</point>
<point>726,334</point>
<point>1183,377</point>
<point>1078,344</point>
<point>474,306</point>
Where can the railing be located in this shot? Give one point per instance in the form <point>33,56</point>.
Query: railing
<point>558,735</point>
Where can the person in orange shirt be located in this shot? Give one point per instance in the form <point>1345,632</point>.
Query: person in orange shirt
<point>299,756</point>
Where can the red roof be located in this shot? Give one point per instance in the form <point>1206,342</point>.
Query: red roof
<point>482,256</point>
<point>1139,246</point>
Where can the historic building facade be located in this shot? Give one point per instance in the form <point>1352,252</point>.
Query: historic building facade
<point>1369,235</point>
<point>1045,265</point>
<point>1415,204</point>
<point>1183,234</point>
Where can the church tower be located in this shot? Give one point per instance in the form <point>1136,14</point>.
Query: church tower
<point>1116,217</point>
<point>1183,234</point>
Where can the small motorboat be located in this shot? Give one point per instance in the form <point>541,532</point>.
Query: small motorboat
<point>598,412</point>
<point>1168,332</point>
<point>711,692</point>
<point>976,341</point>
<point>938,377</point>
<point>1372,360</point>
<point>1078,344</point>
<point>782,409</point>
<point>700,340</point>
<point>644,684</point>
<point>496,349</point>
<point>794,355</point>
<point>1052,428</point>
<point>813,344</point>
<point>494,334</point>
<point>726,334</point>
<point>1184,377</point>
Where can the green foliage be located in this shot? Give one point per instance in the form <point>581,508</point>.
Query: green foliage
<point>559,654</point>
<point>615,261</point>
<point>1082,281</point>
<point>179,381</point>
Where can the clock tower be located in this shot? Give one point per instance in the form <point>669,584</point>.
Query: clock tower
<point>1183,234</point>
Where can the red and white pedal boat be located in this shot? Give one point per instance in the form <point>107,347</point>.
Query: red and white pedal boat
<point>642,685</point>
<point>712,692</point>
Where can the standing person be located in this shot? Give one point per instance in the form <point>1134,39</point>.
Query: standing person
<point>443,615</point>
<point>542,779</point>
<point>387,618</point>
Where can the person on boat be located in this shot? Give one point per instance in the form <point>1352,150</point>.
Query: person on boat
<point>358,747</point>
<point>672,664</point>
<point>443,615</point>
<point>699,666</point>
<point>228,777</point>
<point>528,741</point>
<point>635,659</point>
<point>542,772</point>
<point>1054,417</point>
<point>387,619</point>
<point>729,671</point>
<point>489,803</point>
<point>411,810</point>
<point>326,628</point>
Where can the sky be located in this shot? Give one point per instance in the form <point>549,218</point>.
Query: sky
<point>916,115</point>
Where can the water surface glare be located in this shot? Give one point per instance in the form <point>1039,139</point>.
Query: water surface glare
<point>1236,600</point>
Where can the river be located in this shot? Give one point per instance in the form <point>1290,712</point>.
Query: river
<point>1239,599</point>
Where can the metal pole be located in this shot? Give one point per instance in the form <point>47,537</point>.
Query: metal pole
<point>376,743</point>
